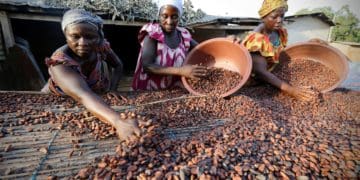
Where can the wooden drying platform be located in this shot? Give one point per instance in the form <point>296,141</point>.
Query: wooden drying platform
<point>45,150</point>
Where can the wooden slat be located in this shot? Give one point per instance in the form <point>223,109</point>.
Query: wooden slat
<point>24,156</point>
<point>2,49</point>
<point>125,84</point>
<point>6,30</point>
<point>36,17</point>
<point>21,161</point>
<point>226,27</point>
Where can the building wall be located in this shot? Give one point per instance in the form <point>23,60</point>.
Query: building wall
<point>200,35</point>
<point>351,51</point>
<point>305,28</point>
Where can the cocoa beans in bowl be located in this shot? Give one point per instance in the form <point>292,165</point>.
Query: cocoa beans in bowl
<point>313,64</point>
<point>229,65</point>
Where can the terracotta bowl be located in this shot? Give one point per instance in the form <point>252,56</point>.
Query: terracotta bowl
<point>221,53</point>
<point>324,54</point>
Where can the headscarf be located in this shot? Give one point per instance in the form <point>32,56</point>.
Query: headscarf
<point>176,3</point>
<point>269,5</point>
<point>75,16</point>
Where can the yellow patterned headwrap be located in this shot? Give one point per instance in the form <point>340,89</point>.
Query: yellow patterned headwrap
<point>269,5</point>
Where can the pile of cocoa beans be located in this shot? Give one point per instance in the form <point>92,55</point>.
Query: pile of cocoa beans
<point>266,135</point>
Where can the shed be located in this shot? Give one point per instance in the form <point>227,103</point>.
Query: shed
<point>307,26</point>
<point>39,25</point>
<point>300,27</point>
<point>219,26</point>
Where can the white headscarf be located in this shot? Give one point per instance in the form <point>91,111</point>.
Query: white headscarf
<point>176,3</point>
<point>75,16</point>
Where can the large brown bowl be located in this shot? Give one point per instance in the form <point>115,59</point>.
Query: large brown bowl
<point>322,53</point>
<point>221,53</point>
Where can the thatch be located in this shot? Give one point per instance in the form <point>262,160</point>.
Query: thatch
<point>126,10</point>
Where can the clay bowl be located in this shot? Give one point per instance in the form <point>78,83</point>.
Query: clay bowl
<point>221,53</point>
<point>324,54</point>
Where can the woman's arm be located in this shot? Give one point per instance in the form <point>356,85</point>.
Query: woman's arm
<point>260,69</point>
<point>149,55</point>
<point>73,85</point>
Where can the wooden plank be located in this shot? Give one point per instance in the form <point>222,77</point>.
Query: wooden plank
<point>125,84</point>
<point>21,160</point>
<point>23,92</point>
<point>2,48</point>
<point>36,17</point>
<point>7,31</point>
<point>225,27</point>
<point>185,132</point>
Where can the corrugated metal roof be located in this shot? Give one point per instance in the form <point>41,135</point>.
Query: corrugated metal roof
<point>33,3</point>
<point>319,15</point>
<point>210,19</point>
<point>43,7</point>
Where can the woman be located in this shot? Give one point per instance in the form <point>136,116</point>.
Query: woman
<point>164,47</point>
<point>79,68</point>
<point>265,44</point>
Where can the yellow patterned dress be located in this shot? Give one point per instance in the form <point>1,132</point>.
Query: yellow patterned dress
<point>258,42</point>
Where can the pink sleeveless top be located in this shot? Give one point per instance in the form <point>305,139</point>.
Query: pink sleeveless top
<point>166,57</point>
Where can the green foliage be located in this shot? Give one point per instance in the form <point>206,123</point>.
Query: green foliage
<point>346,28</point>
<point>189,14</point>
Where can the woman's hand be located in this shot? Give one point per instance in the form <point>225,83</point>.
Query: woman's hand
<point>303,94</point>
<point>125,128</point>
<point>104,46</point>
<point>193,71</point>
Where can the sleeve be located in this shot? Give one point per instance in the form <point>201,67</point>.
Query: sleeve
<point>59,57</point>
<point>153,30</point>
<point>104,47</point>
<point>257,42</point>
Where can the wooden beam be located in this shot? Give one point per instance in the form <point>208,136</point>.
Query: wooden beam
<point>7,31</point>
<point>24,16</point>
<point>37,17</point>
<point>225,27</point>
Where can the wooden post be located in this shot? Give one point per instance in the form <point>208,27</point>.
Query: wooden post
<point>8,35</point>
